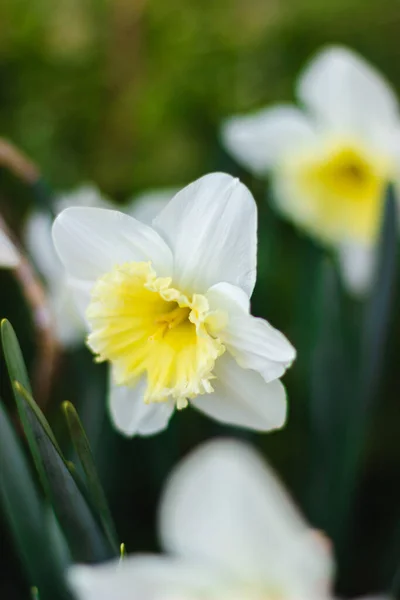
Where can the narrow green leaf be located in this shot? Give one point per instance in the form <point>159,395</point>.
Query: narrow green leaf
<point>82,531</point>
<point>373,341</point>
<point>331,392</point>
<point>26,518</point>
<point>38,414</point>
<point>82,448</point>
<point>17,372</point>
<point>378,307</point>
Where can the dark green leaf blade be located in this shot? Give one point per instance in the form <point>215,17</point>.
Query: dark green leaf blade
<point>379,305</point>
<point>82,531</point>
<point>331,391</point>
<point>82,448</point>
<point>26,517</point>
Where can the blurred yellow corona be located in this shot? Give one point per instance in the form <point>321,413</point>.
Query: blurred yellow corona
<point>343,185</point>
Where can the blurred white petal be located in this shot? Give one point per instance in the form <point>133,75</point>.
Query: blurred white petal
<point>242,397</point>
<point>260,140</point>
<point>344,92</point>
<point>9,257</point>
<point>131,416</point>
<point>146,206</point>
<point>142,578</point>
<point>224,508</point>
<point>70,326</point>
<point>358,264</point>
<point>91,241</point>
<point>40,245</point>
<point>211,227</point>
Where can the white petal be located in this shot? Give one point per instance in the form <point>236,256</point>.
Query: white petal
<point>211,227</point>
<point>229,298</point>
<point>242,397</point>
<point>40,245</point>
<point>146,206</point>
<point>253,342</point>
<point>358,263</point>
<point>224,507</point>
<point>259,140</point>
<point>141,578</point>
<point>131,416</point>
<point>91,241</point>
<point>9,257</point>
<point>345,92</point>
<point>257,345</point>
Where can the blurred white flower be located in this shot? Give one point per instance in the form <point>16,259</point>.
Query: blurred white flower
<point>331,162</point>
<point>9,257</point>
<point>146,206</point>
<point>70,327</point>
<point>168,307</point>
<point>232,533</point>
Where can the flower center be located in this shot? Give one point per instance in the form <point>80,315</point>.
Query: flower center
<point>145,327</point>
<point>342,186</point>
<point>346,172</point>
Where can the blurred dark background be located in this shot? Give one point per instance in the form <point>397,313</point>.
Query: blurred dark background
<point>130,94</point>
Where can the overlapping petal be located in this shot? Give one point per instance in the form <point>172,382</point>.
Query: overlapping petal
<point>211,227</point>
<point>91,241</point>
<point>131,416</point>
<point>242,397</point>
<point>253,342</point>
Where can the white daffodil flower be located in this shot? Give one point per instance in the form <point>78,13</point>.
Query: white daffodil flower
<point>232,533</point>
<point>69,325</point>
<point>332,160</point>
<point>168,308</point>
<point>9,257</point>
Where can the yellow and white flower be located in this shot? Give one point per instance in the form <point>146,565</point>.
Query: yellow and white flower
<point>168,308</point>
<point>232,533</point>
<point>9,257</point>
<point>70,326</point>
<point>331,160</point>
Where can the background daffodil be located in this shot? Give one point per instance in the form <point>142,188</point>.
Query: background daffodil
<point>330,160</point>
<point>232,533</point>
<point>168,308</point>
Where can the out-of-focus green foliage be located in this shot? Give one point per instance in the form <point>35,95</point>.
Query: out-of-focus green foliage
<point>129,93</point>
